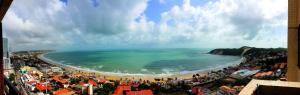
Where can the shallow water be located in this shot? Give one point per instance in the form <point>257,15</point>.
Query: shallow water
<point>143,61</point>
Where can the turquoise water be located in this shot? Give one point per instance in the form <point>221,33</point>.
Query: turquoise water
<point>147,61</point>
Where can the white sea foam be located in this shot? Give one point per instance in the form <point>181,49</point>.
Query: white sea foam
<point>144,70</point>
<point>100,67</point>
<point>166,71</point>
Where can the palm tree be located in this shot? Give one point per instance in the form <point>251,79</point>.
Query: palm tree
<point>108,87</point>
<point>198,76</point>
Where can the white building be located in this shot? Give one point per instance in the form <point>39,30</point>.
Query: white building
<point>56,69</point>
<point>6,58</point>
<point>27,78</point>
<point>243,73</point>
<point>90,90</point>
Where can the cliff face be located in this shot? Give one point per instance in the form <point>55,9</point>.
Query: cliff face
<point>245,51</point>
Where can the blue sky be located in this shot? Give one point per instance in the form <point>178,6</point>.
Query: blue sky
<point>108,24</point>
<point>156,7</point>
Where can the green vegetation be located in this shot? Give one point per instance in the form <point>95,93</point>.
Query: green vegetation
<point>12,77</point>
<point>227,51</point>
<point>74,80</point>
<point>108,87</point>
<point>245,50</point>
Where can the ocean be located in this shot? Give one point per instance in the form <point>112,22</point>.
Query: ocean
<point>144,61</point>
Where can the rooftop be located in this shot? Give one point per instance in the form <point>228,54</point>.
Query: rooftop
<point>63,92</point>
<point>142,92</point>
<point>56,78</point>
<point>254,84</point>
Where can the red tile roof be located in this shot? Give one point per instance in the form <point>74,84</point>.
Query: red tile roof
<point>31,82</point>
<point>92,82</point>
<point>136,85</point>
<point>195,90</point>
<point>101,80</point>
<point>62,92</point>
<point>130,83</point>
<point>282,65</point>
<point>276,65</point>
<point>120,89</point>
<point>56,78</point>
<point>263,74</point>
<point>42,87</point>
<point>81,83</point>
<point>123,83</point>
<point>142,92</point>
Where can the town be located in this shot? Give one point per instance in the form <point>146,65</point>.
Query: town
<point>33,76</point>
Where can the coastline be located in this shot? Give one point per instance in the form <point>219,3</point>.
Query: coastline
<point>116,76</point>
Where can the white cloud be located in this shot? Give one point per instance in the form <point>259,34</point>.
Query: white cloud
<point>30,29</point>
<point>40,24</point>
<point>228,22</point>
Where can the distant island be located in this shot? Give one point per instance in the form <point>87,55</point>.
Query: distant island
<point>246,50</point>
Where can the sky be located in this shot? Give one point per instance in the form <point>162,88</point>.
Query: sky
<point>117,24</point>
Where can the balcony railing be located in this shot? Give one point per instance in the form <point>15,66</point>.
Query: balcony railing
<point>12,90</point>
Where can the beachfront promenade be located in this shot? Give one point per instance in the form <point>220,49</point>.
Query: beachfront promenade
<point>40,76</point>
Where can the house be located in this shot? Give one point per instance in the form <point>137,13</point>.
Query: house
<point>63,92</point>
<point>42,87</point>
<point>142,92</point>
<point>56,69</point>
<point>92,82</point>
<point>120,89</point>
<point>243,73</point>
<point>56,78</point>
<point>63,82</point>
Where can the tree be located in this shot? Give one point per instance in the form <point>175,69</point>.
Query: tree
<point>12,77</point>
<point>85,80</point>
<point>108,87</point>
<point>143,86</point>
<point>74,80</point>
<point>116,83</point>
<point>100,91</point>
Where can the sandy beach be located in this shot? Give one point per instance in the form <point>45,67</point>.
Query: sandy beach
<point>118,76</point>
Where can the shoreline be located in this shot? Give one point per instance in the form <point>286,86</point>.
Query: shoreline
<point>151,77</point>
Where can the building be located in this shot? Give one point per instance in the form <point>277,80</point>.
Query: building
<point>31,70</point>
<point>268,87</point>
<point>61,81</point>
<point>63,92</point>
<point>90,90</point>
<point>240,74</point>
<point>120,89</point>
<point>293,72</point>
<point>56,69</point>
<point>43,86</point>
<point>27,78</point>
<point>292,85</point>
<point>142,92</point>
<point>6,58</point>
